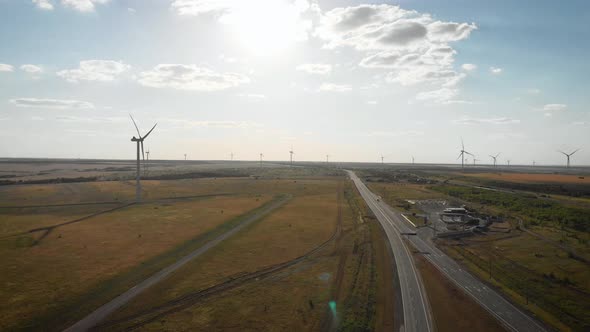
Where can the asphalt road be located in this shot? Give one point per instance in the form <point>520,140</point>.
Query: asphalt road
<point>105,310</point>
<point>417,316</point>
<point>508,314</point>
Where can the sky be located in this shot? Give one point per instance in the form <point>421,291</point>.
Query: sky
<point>353,80</point>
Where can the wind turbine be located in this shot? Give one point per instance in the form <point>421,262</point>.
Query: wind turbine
<point>381,159</point>
<point>568,155</point>
<point>185,156</point>
<point>474,160</point>
<point>147,162</point>
<point>508,162</point>
<point>261,155</point>
<point>462,154</point>
<point>291,155</point>
<point>139,141</point>
<point>534,163</point>
<point>412,160</point>
<point>231,156</point>
<point>495,157</point>
<point>327,159</point>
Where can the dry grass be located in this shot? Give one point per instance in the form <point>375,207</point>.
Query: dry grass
<point>74,258</point>
<point>452,309</point>
<point>287,233</point>
<point>531,177</point>
<point>295,299</point>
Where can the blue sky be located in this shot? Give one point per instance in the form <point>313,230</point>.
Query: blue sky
<point>355,80</point>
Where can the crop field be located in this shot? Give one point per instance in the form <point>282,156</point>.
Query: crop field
<point>283,273</point>
<point>532,177</point>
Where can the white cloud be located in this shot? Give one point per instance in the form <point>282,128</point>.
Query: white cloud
<point>412,45</point>
<point>6,67</point>
<point>43,4</point>
<point>468,67</point>
<point>493,121</point>
<point>551,109</point>
<point>83,5</point>
<point>31,69</point>
<point>496,70</point>
<point>335,87</point>
<point>440,96</point>
<point>189,77</point>
<point>94,70</point>
<point>315,68</point>
<point>51,103</point>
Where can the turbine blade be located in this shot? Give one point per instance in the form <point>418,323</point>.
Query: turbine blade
<point>498,154</point>
<point>135,124</point>
<point>462,145</point>
<point>565,154</point>
<point>146,135</point>
<point>470,154</point>
<point>574,152</point>
<point>460,154</point>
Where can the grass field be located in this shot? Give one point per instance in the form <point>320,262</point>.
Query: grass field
<point>295,298</point>
<point>73,259</point>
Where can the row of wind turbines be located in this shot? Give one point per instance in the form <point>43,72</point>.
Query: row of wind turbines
<point>140,139</point>
<point>463,152</point>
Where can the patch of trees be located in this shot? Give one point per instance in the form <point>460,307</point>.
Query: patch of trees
<point>534,210</point>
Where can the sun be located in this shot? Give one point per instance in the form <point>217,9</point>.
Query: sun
<point>267,27</point>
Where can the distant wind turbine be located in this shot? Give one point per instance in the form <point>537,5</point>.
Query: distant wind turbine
<point>231,156</point>
<point>534,163</point>
<point>327,159</point>
<point>508,162</point>
<point>412,160</point>
<point>495,157</point>
<point>474,160</point>
<point>139,140</point>
<point>462,154</point>
<point>261,155</point>
<point>291,155</point>
<point>185,156</point>
<point>147,162</point>
<point>381,159</point>
<point>568,155</point>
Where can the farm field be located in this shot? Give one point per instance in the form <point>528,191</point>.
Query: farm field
<point>532,177</point>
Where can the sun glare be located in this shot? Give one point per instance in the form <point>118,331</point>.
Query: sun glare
<point>266,27</point>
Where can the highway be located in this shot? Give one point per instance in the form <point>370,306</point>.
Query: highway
<point>509,315</point>
<point>417,316</point>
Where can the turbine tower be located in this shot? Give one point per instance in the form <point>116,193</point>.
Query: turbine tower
<point>495,157</point>
<point>185,156</point>
<point>412,160</point>
<point>474,160</point>
<point>139,140</point>
<point>147,162</point>
<point>381,159</point>
<point>231,156</point>
<point>568,155</point>
<point>291,155</point>
<point>508,162</point>
<point>261,155</point>
<point>327,159</point>
<point>462,154</point>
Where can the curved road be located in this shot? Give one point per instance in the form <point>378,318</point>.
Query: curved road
<point>416,310</point>
<point>508,314</point>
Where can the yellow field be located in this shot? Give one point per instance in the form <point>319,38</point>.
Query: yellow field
<point>74,258</point>
<point>532,177</point>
